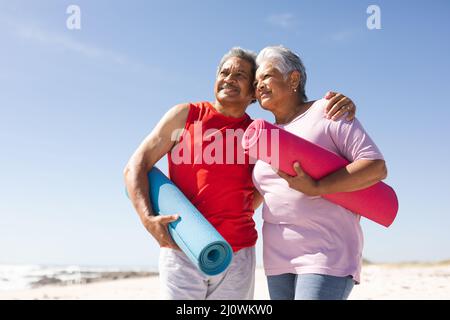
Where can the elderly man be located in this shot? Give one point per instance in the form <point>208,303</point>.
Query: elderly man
<point>222,192</point>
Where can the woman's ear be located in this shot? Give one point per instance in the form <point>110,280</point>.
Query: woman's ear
<point>294,79</point>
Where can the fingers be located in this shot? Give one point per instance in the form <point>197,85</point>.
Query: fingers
<point>157,226</point>
<point>329,95</point>
<point>167,219</point>
<point>298,169</point>
<point>165,239</point>
<point>352,112</point>
<point>339,114</point>
<point>333,101</point>
<point>283,175</point>
<point>343,101</point>
<point>340,105</point>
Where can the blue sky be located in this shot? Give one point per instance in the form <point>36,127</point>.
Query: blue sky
<point>74,104</point>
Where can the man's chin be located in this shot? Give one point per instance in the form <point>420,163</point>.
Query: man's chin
<point>229,98</point>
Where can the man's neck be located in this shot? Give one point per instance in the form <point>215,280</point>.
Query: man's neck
<point>230,110</point>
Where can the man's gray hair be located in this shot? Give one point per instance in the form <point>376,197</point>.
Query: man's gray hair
<point>237,52</point>
<point>285,61</point>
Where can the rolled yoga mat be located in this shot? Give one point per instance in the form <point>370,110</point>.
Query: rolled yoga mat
<point>378,203</point>
<point>198,239</point>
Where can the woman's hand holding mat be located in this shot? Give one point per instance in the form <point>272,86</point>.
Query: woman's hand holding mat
<point>378,203</point>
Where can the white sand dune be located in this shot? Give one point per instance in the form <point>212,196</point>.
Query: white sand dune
<point>403,282</point>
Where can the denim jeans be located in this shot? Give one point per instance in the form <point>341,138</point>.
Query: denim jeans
<point>290,286</point>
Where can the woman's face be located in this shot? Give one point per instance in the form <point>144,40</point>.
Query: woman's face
<point>271,89</point>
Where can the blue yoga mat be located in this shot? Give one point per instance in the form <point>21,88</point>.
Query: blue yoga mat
<point>198,239</point>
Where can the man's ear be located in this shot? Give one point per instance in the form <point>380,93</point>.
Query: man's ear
<point>294,79</point>
<point>253,94</point>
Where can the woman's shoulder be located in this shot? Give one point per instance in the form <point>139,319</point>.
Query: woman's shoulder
<point>316,111</point>
<point>319,105</point>
<point>319,110</point>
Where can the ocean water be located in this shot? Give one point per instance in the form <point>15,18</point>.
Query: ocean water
<point>20,277</point>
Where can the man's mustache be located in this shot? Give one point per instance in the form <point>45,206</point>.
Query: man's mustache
<point>229,86</point>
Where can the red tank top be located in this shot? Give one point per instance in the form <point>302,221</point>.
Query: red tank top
<point>210,168</point>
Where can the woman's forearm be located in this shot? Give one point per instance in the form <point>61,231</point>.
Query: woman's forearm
<point>358,175</point>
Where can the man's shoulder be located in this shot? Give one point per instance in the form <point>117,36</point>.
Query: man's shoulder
<point>182,106</point>
<point>201,104</point>
<point>178,113</point>
<point>190,111</point>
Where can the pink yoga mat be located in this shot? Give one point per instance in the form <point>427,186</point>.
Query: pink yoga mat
<point>378,203</point>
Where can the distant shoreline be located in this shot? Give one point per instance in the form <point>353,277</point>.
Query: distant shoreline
<point>23,277</point>
<point>406,281</point>
<point>409,263</point>
<point>36,276</point>
<point>99,277</point>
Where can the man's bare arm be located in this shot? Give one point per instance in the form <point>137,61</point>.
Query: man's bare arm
<point>157,144</point>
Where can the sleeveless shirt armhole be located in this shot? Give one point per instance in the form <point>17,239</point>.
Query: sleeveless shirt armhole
<point>188,121</point>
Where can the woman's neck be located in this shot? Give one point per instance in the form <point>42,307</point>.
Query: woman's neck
<point>289,111</point>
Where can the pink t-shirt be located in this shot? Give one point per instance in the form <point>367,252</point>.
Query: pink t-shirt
<point>303,234</point>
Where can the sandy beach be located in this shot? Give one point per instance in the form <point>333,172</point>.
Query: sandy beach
<point>396,281</point>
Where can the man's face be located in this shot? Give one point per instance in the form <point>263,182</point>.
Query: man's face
<point>234,83</point>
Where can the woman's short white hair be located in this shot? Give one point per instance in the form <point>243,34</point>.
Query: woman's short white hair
<point>285,61</point>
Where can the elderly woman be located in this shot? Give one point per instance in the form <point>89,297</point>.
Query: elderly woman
<point>312,247</point>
